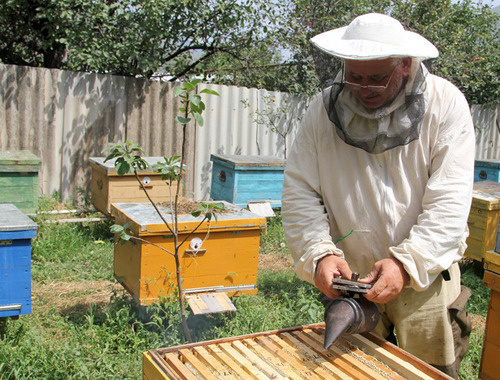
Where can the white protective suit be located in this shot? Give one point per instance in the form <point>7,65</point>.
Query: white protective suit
<point>411,202</point>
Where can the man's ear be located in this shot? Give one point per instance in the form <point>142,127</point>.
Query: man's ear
<point>406,65</point>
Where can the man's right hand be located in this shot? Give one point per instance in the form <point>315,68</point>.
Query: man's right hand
<point>326,268</point>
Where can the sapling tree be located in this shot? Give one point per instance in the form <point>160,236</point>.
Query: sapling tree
<point>280,119</point>
<point>129,159</point>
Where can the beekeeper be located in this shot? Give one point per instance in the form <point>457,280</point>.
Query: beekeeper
<point>386,151</point>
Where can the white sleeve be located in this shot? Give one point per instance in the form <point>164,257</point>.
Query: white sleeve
<point>305,220</point>
<point>438,238</point>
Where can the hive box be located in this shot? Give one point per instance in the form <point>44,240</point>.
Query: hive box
<point>226,262</point>
<point>487,170</point>
<point>246,179</point>
<point>293,353</point>
<point>108,187</point>
<point>490,364</point>
<point>483,219</point>
<point>16,232</point>
<point>19,179</point>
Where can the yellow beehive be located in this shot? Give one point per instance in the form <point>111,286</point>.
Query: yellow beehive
<point>293,353</point>
<point>483,219</point>
<point>226,262</point>
<point>108,187</point>
<point>490,363</point>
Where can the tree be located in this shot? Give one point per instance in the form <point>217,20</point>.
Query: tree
<point>466,34</point>
<point>127,159</point>
<point>134,37</point>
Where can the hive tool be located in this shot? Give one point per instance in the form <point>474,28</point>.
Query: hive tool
<point>350,313</point>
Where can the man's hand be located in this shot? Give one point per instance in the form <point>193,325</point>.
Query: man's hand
<point>328,267</point>
<point>390,278</point>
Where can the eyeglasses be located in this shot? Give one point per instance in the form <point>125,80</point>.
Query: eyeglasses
<point>357,86</point>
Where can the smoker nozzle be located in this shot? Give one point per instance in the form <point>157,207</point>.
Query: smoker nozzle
<point>346,315</point>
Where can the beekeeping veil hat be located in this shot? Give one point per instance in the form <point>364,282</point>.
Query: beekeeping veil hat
<point>370,37</point>
<point>374,36</point>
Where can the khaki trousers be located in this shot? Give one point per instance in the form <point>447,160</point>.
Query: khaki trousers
<point>433,325</point>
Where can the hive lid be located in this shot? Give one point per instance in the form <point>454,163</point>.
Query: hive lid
<point>494,164</point>
<point>145,219</point>
<point>486,195</point>
<point>233,160</point>
<point>18,160</point>
<point>109,166</point>
<point>12,219</point>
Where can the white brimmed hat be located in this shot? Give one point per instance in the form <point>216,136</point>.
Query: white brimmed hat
<point>374,36</point>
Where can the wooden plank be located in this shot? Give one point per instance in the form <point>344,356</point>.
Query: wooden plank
<point>492,280</point>
<point>246,364</point>
<point>332,358</point>
<point>492,262</point>
<point>257,361</point>
<point>206,357</point>
<point>216,351</point>
<point>354,349</point>
<point>189,357</point>
<point>209,303</point>
<point>282,366</point>
<point>379,366</point>
<point>341,359</point>
<point>287,356</point>
<point>150,369</point>
<point>402,367</point>
<point>308,357</point>
<point>179,367</point>
<point>490,364</point>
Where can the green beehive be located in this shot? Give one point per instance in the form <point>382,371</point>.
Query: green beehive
<point>19,179</point>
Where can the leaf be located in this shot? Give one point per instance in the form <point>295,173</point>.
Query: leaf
<point>207,91</point>
<point>199,118</point>
<point>183,120</point>
<point>122,168</point>
<point>195,99</point>
<point>116,228</point>
<point>188,87</point>
<point>179,91</point>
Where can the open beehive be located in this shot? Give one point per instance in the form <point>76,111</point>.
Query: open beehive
<point>293,353</point>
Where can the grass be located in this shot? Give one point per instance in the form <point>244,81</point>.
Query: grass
<point>85,326</point>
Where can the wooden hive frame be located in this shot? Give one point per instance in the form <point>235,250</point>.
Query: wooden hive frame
<point>293,353</point>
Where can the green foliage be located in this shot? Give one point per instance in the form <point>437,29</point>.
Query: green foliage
<point>246,43</point>
<point>472,277</point>
<point>170,168</point>
<point>465,32</point>
<point>127,157</point>
<point>136,37</point>
<point>192,103</point>
<point>209,210</point>
<point>272,239</point>
<point>76,251</point>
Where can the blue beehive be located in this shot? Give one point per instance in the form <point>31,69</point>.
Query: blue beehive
<point>245,179</point>
<point>487,170</point>
<point>16,232</point>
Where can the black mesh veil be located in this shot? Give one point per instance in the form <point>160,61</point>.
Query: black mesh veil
<point>374,131</point>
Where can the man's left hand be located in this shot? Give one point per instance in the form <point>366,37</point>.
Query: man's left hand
<point>390,278</point>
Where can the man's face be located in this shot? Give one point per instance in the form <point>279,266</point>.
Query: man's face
<point>390,72</point>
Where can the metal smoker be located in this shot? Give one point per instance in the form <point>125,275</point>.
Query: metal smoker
<point>350,313</point>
